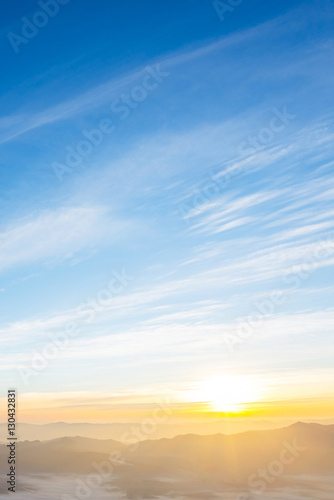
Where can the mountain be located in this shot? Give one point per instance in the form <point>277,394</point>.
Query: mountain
<point>240,454</point>
<point>67,455</point>
<point>46,432</point>
<point>192,464</point>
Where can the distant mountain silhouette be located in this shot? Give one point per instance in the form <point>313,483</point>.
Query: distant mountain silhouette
<point>67,454</point>
<point>238,455</point>
<point>223,457</point>
<point>46,432</point>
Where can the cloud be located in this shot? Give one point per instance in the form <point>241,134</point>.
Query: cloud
<point>54,236</point>
<point>15,125</point>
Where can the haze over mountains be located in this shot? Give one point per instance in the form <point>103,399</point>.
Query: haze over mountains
<point>296,461</point>
<point>44,432</point>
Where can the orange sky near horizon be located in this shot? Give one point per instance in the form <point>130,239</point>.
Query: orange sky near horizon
<point>34,409</point>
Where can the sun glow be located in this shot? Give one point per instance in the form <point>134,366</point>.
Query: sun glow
<point>227,393</point>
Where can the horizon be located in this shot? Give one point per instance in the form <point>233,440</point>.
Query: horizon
<point>149,437</point>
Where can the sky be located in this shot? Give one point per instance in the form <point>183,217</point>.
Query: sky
<point>166,230</point>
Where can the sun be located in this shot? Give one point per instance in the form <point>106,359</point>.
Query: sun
<point>227,393</point>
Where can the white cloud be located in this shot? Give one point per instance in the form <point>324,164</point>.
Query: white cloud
<point>54,236</point>
<point>16,125</point>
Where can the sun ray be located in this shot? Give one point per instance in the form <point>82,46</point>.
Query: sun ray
<point>226,393</point>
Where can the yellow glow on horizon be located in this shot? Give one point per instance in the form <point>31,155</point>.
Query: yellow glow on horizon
<point>218,397</point>
<point>227,393</point>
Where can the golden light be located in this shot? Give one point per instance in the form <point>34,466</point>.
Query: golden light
<point>227,393</point>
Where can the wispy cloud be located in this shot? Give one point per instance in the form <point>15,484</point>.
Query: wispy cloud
<point>23,121</point>
<point>55,236</point>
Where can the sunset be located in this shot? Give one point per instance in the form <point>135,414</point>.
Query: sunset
<point>167,250</point>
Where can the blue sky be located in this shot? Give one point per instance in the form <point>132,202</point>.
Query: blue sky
<point>210,189</point>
